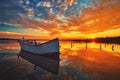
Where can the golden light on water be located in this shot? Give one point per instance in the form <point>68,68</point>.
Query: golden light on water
<point>75,57</point>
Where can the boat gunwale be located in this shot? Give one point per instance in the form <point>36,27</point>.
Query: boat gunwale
<point>41,43</point>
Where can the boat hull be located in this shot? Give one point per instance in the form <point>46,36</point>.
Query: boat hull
<point>51,46</point>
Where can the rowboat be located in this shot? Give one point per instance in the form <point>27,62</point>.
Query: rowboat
<point>44,55</point>
<point>51,46</point>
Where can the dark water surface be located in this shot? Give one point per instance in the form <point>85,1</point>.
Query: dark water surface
<point>96,62</point>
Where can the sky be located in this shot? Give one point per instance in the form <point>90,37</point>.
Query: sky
<point>64,19</point>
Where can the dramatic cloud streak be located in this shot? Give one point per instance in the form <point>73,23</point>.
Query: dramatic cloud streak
<point>63,18</point>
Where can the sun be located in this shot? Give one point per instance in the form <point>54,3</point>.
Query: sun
<point>93,37</point>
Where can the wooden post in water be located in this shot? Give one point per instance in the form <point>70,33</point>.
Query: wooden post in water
<point>71,44</point>
<point>86,44</point>
<point>105,45</point>
<point>112,47</point>
<point>100,46</point>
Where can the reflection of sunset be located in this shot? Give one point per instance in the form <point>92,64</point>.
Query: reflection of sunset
<point>66,46</point>
<point>10,46</point>
<point>77,61</point>
<point>93,60</point>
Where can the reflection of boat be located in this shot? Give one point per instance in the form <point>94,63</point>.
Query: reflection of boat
<point>49,62</point>
<point>45,55</point>
<point>51,46</point>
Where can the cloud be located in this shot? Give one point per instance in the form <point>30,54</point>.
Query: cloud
<point>9,9</point>
<point>63,17</point>
<point>15,35</point>
<point>47,4</point>
<point>96,19</point>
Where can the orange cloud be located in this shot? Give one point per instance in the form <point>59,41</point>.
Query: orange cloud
<point>47,4</point>
<point>103,18</point>
<point>18,35</point>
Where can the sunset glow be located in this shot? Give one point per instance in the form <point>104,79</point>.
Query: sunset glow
<point>65,19</point>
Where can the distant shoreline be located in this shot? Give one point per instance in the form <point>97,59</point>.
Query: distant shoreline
<point>97,40</point>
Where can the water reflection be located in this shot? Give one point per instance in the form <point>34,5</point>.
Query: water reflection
<point>92,45</point>
<point>77,62</point>
<point>49,62</point>
<point>94,61</point>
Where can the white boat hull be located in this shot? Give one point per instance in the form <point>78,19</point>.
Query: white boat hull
<point>51,46</point>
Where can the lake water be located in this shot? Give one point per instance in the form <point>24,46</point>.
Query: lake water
<point>79,61</point>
